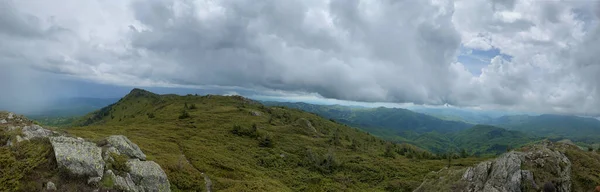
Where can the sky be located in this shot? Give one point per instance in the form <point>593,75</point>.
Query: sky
<point>519,55</point>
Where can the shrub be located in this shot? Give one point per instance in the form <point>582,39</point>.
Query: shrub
<point>193,106</point>
<point>266,142</point>
<point>150,115</point>
<point>118,163</point>
<point>184,114</point>
<point>250,132</point>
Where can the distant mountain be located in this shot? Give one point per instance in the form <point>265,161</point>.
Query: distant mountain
<point>454,114</point>
<point>583,129</point>
<point>434,134</point>
<point>391,120</point>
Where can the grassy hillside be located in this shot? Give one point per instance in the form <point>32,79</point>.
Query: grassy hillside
<point>242,145</point>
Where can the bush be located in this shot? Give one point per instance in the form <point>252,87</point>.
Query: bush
<point>150,115</point>
<point>184,114</point>
<point>118,163</point>
<point>266,142</point>
<point>250,132</point>
<point>193,106</point>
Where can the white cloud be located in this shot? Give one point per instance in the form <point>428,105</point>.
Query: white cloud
<point>376,51</point>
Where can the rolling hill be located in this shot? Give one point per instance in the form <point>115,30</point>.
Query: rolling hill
<point>431,133</point>
<point>581,129</point>
<point>242,145</point>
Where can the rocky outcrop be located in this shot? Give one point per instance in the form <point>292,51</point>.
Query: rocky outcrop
<point>82,159</point>
<point>148,175</point>
<point>125,146</point>
<point>35,131</point>
<point>515,171</point>
<point>78,157</point>
<point>121,183</point>
<point>501,174</point>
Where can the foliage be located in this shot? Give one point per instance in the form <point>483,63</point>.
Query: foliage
<point>28,161</point>
<point>118,163</point>
<point>184,114</point>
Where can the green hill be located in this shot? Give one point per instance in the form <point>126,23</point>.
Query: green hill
<point>431,133</point>
<point>486,139</point>
<point>580,129</point>
<point>242,145</point>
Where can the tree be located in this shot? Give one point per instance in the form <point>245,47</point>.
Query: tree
<point>389,152</point>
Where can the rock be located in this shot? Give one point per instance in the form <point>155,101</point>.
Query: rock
<point>510,172</point>
<point>11,128</point>
<point>78,157</point>
<point>121,183</point>
<point>35,131</point>
<point>106,155</point>
<point>3,121</point>
<point>255,113</point>
<point>207,182</point>
<point>94,180</point>
<point>148,176</point>
<point>528,178</point>
<point>125,146</point>
<point>10,115</point>
<point>50,186</point>
<point>501,174</point>
<point>19,139</point>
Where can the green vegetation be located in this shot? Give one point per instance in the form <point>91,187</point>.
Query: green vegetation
<point>556,127</point>
<point>27,162</point>
<point>436,135</point>
<point>279,150</point>
<point>485,139</point>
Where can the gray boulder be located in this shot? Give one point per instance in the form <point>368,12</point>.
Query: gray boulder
<point>255,113</point>
<point>50,186</point>
<point>78,157</point>
<point>121,183</point>
<point>125,146</point>
<point>35,131</point>
<point>501,174</point>
<point>10,115</point>
<point>3,121</point>
<point>148,176</point>
<point>510,172</point>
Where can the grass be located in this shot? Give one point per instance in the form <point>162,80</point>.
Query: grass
<point>221,138</point>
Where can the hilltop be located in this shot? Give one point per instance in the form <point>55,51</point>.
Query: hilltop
<point>230,143</point>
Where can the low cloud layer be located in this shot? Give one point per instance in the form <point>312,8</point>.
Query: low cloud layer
<point>358,50</point>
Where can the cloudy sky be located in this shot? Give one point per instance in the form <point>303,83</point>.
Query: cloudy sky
<point>527,55</point>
